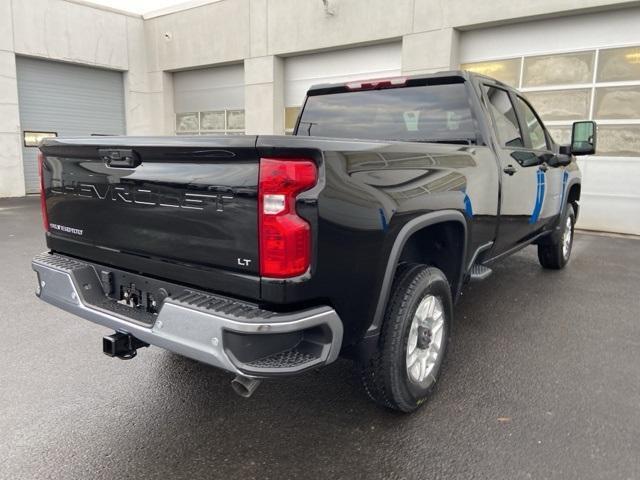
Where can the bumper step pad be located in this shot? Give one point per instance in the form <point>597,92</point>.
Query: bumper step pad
<point>290,359</point>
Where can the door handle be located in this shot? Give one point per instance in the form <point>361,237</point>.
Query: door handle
<point>510,170</point>
<point>543,167</point>
<point>119,157</point>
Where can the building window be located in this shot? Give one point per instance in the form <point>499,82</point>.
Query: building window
<point>290,119</point>
<point>619,65</point>
<point>219,122</point>
<point>603,85</point>
<point>32,139</point>
<point>187,123</point>
<point>559,69</point>
<point>235,121</point>
<point>562,104</point>
<point>213,121</point>
<point>507,71</point>
<point>619,140</point>
<point>617,103</point>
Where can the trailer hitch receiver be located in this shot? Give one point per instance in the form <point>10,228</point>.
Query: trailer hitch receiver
<point>122,345</point>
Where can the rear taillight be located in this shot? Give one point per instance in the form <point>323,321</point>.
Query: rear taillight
<point>285,238</point>
<point>43,199</point>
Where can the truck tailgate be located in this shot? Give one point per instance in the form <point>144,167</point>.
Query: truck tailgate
<point>188,200</point>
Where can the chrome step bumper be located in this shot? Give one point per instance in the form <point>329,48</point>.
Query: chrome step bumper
<point>223,332</point>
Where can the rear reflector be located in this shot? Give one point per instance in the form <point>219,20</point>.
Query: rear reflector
<point>43,198</point>
<point>285,238</point>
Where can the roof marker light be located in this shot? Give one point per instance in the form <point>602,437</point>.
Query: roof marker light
<point>377,83</point>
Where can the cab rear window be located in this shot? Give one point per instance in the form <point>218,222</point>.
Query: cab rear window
<point>417,113</point>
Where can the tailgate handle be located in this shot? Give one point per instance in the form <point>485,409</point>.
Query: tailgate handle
<point>119,157</point>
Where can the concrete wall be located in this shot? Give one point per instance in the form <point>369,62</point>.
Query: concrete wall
<point>261,31</point>
<point>149,90</point>
<point>606,29</point>
<point>256,32</point>
<point>72,31</point>
<point>264,92</point>
<point>11,172</point>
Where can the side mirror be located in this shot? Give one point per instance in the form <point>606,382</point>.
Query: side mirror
<point>583,138</point>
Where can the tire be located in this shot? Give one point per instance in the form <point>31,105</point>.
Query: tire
<point>555,253</point>
<point>387,377</point>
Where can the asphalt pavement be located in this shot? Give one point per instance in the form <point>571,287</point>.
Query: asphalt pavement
<point>542,380</point>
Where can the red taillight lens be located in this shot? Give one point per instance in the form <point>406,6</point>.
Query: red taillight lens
<point>43,198</point>
<point>285,238</point>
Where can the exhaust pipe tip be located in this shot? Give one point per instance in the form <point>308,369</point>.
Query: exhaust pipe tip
<point>244,386</point>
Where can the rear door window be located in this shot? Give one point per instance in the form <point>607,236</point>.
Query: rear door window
<point>504,117</point>
<point>533,126</point>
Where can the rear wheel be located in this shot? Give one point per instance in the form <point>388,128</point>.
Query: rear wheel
<point>413,341</point>
<point>555,253</point>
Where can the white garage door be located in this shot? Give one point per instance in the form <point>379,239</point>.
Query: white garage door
<point>301,72</point>
<point>62,99</point>
<point>209,100</point>
<point>578,68</point>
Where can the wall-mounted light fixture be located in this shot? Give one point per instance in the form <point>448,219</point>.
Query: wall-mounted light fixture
<point>328,9</point>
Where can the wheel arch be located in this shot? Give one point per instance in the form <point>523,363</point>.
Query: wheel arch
<point>573,196</point>
<point>415,232</point>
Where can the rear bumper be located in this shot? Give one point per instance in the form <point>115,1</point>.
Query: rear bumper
<point>232,335</point>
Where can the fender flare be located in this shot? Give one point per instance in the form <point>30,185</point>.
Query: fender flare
<point>556,227</point>
<point>567,189</point>
<point>406,231</point>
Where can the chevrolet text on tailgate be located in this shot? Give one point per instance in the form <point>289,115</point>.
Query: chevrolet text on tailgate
<point>273,255</point>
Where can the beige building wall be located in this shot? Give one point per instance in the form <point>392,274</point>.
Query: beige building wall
<point>76,32</point>
<point>11,171</point>
<point>260,33</point>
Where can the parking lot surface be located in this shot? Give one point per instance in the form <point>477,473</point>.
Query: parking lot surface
<point>542,380</point>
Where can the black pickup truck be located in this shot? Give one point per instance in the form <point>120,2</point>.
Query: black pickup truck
<point>273,255</point>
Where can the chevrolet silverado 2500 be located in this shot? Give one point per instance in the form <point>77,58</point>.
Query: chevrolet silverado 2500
<point>273,255</point>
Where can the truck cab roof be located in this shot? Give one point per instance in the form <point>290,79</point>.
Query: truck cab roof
<point>449,76</point>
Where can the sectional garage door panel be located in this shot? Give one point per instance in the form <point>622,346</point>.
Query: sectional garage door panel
<point>68,99</point>
<point>206,89</point>
<point>587,70</point>
<point>359,63</point>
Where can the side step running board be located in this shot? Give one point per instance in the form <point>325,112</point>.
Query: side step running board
<point>479,273</point>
